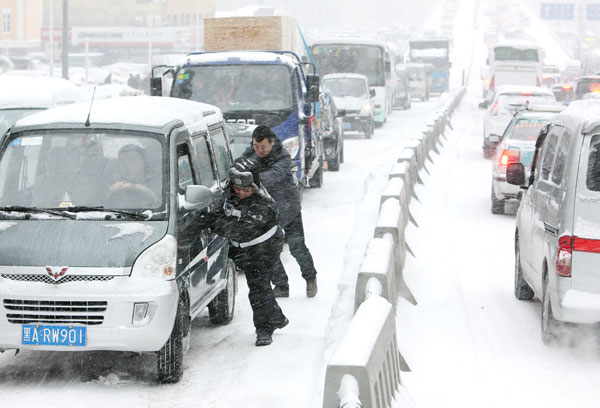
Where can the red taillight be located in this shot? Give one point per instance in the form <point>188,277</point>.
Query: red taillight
<point>537,81</point>
<point>563,256</point>
<point>492,83</point>
<point>566,87</point>
<point>509,156</point>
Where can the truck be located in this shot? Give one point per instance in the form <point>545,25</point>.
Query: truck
<point>252,69</point>
<point>435,51</point>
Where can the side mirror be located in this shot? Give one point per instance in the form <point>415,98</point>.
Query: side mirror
<point>341,113</point>
<point>487,61</point>
<point>495,139</point>
<point>197,197</point>
<point>388,66</point>
<point>515,174</point>
<point>156,86</point>
<point>371,92</point>
<point>484,105</point>
<point>312,86</point>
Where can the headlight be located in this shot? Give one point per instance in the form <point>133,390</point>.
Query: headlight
<point>157,261</point>
<point>366,108</point>
<point>292,145</point>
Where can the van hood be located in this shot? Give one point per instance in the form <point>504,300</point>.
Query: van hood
<point>350,103</point>
<point>76,243</point>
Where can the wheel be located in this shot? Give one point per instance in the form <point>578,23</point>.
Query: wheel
<point>342,150</point>
<point>169,358</point>
<point>368,130</point>
<point>522,289</point>
<point>488,153</point>
<point>316,181</point>
<point>222,307</point>
<point>497,205</point>
<point>550,326</point>
<point>334,164</point>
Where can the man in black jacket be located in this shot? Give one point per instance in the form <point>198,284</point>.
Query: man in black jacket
<point>274,165</point>
<point>249,218</point>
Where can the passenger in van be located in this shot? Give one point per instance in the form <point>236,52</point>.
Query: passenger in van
<point>248,217</point>
<point>134,189</point>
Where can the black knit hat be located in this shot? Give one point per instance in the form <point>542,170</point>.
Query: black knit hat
<point>244,172</point>
<point>263,132</point>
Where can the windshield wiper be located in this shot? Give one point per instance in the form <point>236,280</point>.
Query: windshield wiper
<point>82,208</point>
<point>19,208</point>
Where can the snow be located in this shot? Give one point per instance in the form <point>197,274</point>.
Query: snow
<point>241,56</point>
<point>4,225</point>
<point>131,228</point>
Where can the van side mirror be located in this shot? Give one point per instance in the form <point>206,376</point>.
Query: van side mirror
<point>156,86</point>
<point>371,92</point>
<point>341,113</point>
<point>484,105</point>
<point>494,139</point>
<point>197,197</point>
<point>312,88</point>
<point>388,66</point>
<point>515,174</point>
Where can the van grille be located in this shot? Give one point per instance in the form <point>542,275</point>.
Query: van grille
<point>54,312</point>
<point>49,280</point>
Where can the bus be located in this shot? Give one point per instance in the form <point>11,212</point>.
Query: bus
<point>515,62</point>
<point>371,58</point>
<point>434,51</point>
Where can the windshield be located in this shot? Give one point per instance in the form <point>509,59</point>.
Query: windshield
<point>586,86</point>
<point>526,129</point>
<point>515,54</point>
<point>360,59</point>
<point>416,74</point>
<point>239,87</point>
<point>341,87</point>
<point>114,170</point>
<point>509,101</point>
<point>9,116</point>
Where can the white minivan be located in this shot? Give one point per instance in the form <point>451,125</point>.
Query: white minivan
<point>557,239</point>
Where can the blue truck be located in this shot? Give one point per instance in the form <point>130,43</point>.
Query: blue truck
<point>258,88</point>
<point>435,51</point>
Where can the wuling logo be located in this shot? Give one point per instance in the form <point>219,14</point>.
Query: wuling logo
<point>56,275</point>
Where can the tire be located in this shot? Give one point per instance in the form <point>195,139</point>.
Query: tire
<point>334,164</point>
<point>522,289</point>
<point>222,307</point>
<point>169,359</point>
<point>497,205</point>
<point>488,153</point>
<point>367,131</point>
<point>550,326</point>
<point>342,150</point>
<point>316,181</point>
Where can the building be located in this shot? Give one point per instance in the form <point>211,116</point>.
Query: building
<point>20,25</point>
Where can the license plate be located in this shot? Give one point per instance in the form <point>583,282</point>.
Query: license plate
<point>42,335</point>
<point>347,126</point>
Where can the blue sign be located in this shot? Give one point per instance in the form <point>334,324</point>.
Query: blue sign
<point>593,12</point>
<point>557,11</point>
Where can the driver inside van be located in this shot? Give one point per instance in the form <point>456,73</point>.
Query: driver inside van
<point>134,187</point>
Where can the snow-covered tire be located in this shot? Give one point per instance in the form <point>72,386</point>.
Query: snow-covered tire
<point>550,326</point>
<point>222,307</point>
<point>316,181</point>
<point>522,289</point>
<point>497,205</point>
<point>169,358</point>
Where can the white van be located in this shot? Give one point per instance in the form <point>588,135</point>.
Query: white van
<point>103,245</point>
<point>24,95</point>
<point>515,62</point>
<point>557,239</point>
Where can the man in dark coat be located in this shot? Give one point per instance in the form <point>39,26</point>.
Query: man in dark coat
<point>249,218</point>
<point>274,165</point>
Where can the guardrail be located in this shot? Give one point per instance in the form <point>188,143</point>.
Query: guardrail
<point>364,370</point>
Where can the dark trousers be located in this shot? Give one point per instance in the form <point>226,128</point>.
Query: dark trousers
<point>294,232</point>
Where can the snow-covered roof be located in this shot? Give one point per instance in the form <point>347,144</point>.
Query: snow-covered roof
<point>509,89</point>
<point>145,111</point>
<point>350,41</point>
<point>18,91</point>
<point>236,57</point>
<point>344,75</point>
<point>516,44</point>
<point>588,109</point>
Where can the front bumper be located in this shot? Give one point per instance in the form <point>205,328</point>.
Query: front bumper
<point>355,123</point>
<point>116,331</point>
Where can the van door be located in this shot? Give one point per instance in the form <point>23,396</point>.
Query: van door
<point>206,166</point>
<point>191,238</point>
<point>542,187</point>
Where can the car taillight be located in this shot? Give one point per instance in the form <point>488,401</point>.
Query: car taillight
<point>494,110</point>
<point>566,87</point>
<point>492,83</point>
<point>563,256</point>
<point>537,81</point>
<point>509,156</point>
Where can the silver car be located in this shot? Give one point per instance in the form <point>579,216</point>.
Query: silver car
<point>557,239</point>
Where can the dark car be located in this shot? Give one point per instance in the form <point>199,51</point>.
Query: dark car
<point>332,130</point>
<point>402,91</point>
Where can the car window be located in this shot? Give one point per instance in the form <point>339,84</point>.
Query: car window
<point>185,175</point>
<point>525,129</point>
<point>222,156</point>
<point>593,170</point>
<point>548,153</point>
<point>205,169</point>
<point>561,157</point>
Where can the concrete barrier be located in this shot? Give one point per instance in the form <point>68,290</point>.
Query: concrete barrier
<point>403,171</point>
<point>395,188</point>
<point>368,351</point>
<point>377,263</point>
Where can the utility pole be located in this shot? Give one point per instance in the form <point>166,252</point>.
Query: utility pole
<point>65,40</point>
<point>51,37</point>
